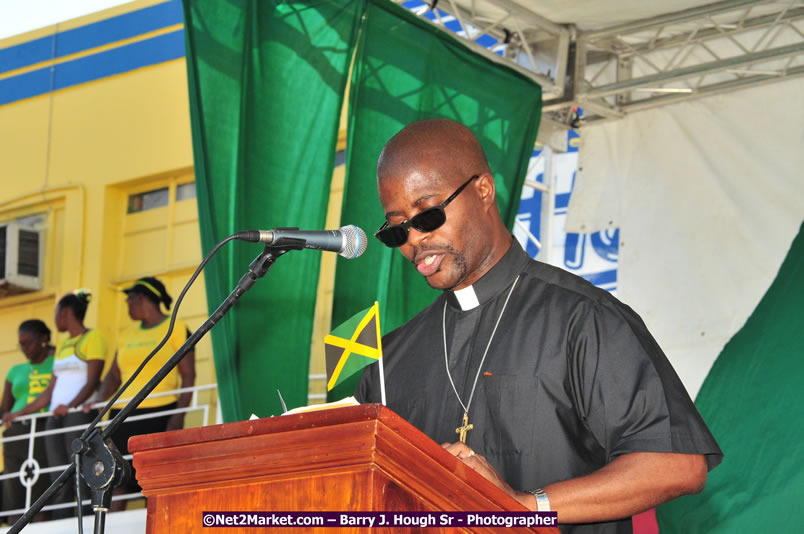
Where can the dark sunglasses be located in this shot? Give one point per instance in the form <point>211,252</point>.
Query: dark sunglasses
<point>426,221</point>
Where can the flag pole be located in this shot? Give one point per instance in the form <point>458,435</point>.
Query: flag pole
<point>382,383</point>
<point>379,346</point>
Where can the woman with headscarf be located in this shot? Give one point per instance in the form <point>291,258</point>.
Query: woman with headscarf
<point>144,298</point>
<point>25,385</point>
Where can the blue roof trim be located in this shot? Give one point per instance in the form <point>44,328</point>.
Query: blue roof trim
<point>92,35</point>
<point>118,28</point>
<point>122,59</point>
<point>86,69</point>
<point>26,85</point>
<point>24,54</point>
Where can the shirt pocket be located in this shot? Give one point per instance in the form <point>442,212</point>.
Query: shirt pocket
<point>505,413</point>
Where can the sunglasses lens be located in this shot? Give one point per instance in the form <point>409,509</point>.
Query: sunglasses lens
<point>426,221</point>
<point>429,220</point>
<point>393,236</point>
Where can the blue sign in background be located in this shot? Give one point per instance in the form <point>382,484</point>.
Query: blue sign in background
<point>592,256</point>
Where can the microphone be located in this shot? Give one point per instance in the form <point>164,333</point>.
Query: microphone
<point>348,241</point>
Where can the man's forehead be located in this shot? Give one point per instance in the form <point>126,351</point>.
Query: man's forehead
<point>416,179</point>
<point>411,186</point>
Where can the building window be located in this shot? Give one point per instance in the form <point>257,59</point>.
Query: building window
<point>185,191</point>
<point>21,255</point>
<point>148,200</point>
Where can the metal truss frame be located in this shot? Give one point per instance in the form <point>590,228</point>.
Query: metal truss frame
<point>524,40</point>
<point>639,65</point>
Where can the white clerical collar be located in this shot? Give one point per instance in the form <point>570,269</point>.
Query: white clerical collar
<point>467,298</point>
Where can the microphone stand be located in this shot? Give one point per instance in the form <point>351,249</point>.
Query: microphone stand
<point>103,467</point>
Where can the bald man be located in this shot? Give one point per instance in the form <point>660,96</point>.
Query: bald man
<point>546,385</point>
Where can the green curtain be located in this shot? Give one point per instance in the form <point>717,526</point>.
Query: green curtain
<point>405,70</point>
<point>266,81</point>
<point>752,402</point>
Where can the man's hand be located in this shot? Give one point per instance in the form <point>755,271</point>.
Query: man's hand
<point>61,410</point>
<point>479,463</point>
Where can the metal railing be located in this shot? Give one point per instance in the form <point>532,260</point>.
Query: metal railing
<point>31,470</point>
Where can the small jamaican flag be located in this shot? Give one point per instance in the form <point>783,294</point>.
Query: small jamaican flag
<point>352,346</point>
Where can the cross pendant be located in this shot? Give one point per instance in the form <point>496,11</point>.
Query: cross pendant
<point>466,427</point>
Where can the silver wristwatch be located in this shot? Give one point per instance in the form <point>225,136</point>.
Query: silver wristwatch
<point>542,502</point>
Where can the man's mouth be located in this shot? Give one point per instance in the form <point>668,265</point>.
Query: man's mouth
<point>430,264</point>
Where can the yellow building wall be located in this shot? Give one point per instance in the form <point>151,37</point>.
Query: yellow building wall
<point>74,156</point>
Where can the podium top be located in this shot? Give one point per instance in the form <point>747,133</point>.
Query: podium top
<point>272,425</point>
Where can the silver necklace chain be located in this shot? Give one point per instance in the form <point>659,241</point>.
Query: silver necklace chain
<point>482,360</point>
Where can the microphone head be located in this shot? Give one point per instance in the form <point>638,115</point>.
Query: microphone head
<point>354,241</point>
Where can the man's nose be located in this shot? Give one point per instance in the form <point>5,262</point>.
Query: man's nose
<point>415,236</point>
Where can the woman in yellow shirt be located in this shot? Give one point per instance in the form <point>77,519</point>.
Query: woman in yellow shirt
<point>144,298</point>
<point>77,368</point>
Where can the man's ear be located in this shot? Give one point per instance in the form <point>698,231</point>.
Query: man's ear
<point>486,190</point>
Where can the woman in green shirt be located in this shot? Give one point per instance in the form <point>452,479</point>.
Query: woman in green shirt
<point>24,383</point>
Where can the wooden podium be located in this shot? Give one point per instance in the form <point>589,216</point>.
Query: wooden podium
<point>359,458</point>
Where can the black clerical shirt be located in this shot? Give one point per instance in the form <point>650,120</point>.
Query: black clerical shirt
<point>572,379</point>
